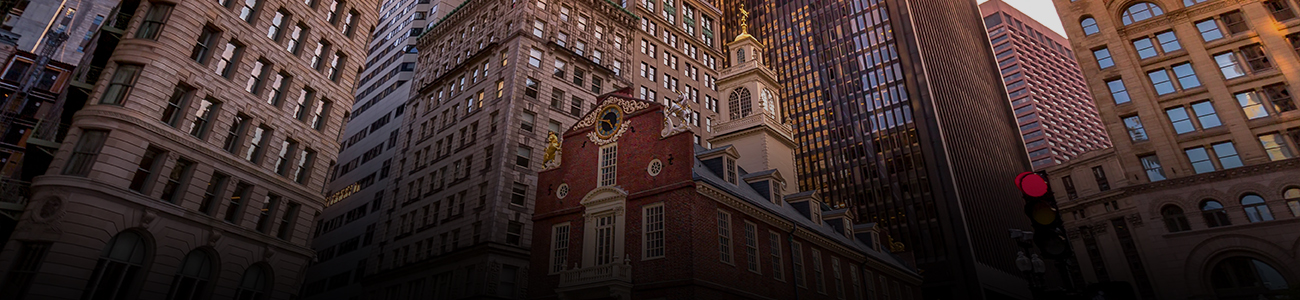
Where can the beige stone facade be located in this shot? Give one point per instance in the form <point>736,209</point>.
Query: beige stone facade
<point>1198,198</point>
<point>197,163</point>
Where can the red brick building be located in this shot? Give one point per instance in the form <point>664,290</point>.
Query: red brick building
<point>630,207</point>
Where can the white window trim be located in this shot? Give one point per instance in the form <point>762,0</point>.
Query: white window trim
<point>554,241</point>
<point>725,232</point>
<point>600,166</point>
<point>645,236</point>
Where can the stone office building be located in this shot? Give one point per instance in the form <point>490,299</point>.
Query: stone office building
<point>1199,198</point>
<point>198,161</point>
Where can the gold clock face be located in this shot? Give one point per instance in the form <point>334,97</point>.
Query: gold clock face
<point>608,122</point>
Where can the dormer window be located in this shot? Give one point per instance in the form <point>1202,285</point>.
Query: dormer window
<point>730,165</point>
<point>608,165</point>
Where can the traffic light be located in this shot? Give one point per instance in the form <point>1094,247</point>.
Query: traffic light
<point>1040,207</point>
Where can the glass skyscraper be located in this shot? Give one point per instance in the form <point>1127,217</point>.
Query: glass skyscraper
<point>900,116</point>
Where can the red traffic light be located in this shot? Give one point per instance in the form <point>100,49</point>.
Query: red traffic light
<point>1031,184</point>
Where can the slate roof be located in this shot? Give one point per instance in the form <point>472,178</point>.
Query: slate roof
<point>743,191</point>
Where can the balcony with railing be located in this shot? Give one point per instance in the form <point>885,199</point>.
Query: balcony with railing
<point>14,195</point>
<point>607,280</point>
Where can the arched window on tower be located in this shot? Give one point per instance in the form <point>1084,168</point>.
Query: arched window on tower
<point>739,103</point>
<point>769,102</point>
<point>740,56</point>
<point>1089,26</point>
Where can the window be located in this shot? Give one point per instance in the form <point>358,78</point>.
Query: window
<point>1280,97</point>
<point>208,108</point>
<point>1214,214</point>
<point>518,192</point>
<point>1227,155</point>
<point>249,11</point>
<point>277,21</point>
<point>1209,30</point>
<point>1234,22</point>
<point>1292,196</point>
<point>1117,91</point>
<point>192,278</point>
<point>216,186</point>
<point>295,38</point>
<point>229,59</point>
<point>306,159</point>
<point>333,13</point>
<point>1181,121</point>
<point>1168,41</point>
<point>514,232</point>
<point>154,21</point>
<point>724,237</point>
<point>1103,58</point>
<point>254,85</point>
<point>1255,58</point>
<point>349,23</point>
<point>322,47</point>
<point>839,278</point>
<point>818,278</point>
<point>1135,129</point>
<point>1186,76</point>
<point>1276,147</point>
<point>604,239</point>
<point>608,165</point>
<point>1256,210</point>
<point>1205,114</point>
<point>559,247</point>
<point>523,156</point>
<point>730,173</point>
<point>253,285</point>
<point>1200,160</point>
<point>1175,221</point>
<point>336,64</point>
<point>796,253</point>
<point>279,83</point>
<point>1192,2</point>
<point>559,69</point>
<point>145,170</point>
<point>1089,26</point>
<point>1070,192</point>
<point>235,208</point>
<point>234,135</point>
<point>751,247</point>
<point>85,153</point>
<point>268,210</point>
<point>539,28</point>
<point>1280,10</point>
<point>1145,48</point>
<point>321,111</point>
<point>179,99</point>
<point>118,268</point>
<point>1140,11</point>
<point>653,217</point>
<point>173,190</point>
<point>1228,65</point>
<point>535,57</point>
<point>1251,105</point>
<point>1250,277</point>
<point>1160,79</point>
<point>285,159</point>
<point>285,231</point>
<point>1151,164</point>
<point>121,85</point>
<point>257,144</point>
<point>1099,175</point>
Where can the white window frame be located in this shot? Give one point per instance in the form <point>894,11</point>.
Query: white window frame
<point>652,219</point>
<point>607,169</point>
<point>725,254</point>
<point>753,257</point>
<point>559,247</point>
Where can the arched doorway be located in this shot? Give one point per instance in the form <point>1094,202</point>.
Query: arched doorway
<point>1246,278</point>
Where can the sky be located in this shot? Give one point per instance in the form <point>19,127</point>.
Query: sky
<point>1041,10</point>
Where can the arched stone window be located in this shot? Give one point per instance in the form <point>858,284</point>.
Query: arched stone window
<point>254,284</point>
<point>1256,210</point>
<point>739,103</point>
<point>769,102</point>
<point>118,267</point>
<point>1174,218</point>
<point>1089,26</point>
<point>1214,214</point>
<point>1193,2</point>
<point>740,56</point>
<point>1292,196</point>
<point>1242,277</point>
<point>191,281</point>
<point>1140,11</point>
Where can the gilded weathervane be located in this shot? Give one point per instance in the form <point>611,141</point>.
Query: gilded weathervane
<point>744,15</point>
